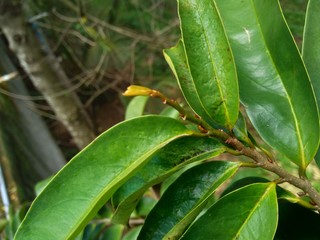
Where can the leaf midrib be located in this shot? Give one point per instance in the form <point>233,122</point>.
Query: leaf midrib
<point>296,124</point>
<point>193,83</point>
<point>204,198</point>
<point>214,69</point>
<point>215,72</point>
<point>252,211</point>
<point>119,178</point>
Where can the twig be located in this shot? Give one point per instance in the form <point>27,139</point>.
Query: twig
<point>260,158</point>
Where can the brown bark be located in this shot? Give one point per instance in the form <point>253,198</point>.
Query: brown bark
<point>45,72</point>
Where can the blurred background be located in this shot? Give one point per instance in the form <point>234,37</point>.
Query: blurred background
<point>63,67</point>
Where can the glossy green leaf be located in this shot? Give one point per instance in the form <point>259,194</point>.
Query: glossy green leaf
<point>203,64</point>
<point>177,61</point>
<point>274,85</point>
<point>136,107</point>
<point>250,212</point>
<point>162,164</point>
<point>79,190</point>
<point>282,193</point>
<point>311,45</point>
<point>311,50</point>
<point>184,200</point>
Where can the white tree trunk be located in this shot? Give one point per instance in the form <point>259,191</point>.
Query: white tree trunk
<point>45,72</point>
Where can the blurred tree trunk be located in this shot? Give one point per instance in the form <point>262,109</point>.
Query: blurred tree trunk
<point>48,158</point>
<point>45,72</point>
<point>28,152</point>
<point>15,154</point>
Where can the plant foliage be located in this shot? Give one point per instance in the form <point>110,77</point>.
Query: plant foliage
<point>229,52</point>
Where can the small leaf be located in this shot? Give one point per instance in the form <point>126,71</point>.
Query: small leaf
<point>184,200</point>
<point>136,107</point>
<point>240,130</point>
<point>170,112</point>
<point>135,90</point>
<point>162,164</point>
<point>80,189</point>
<point>274,85</point>
<point>203,64</point>
<point>247,213</point>
<point>284,194</point>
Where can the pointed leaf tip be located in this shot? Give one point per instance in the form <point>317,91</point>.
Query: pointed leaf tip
<point>250,212</point>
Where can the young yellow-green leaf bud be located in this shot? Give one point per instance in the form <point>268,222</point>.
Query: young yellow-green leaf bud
<point>135,90</point>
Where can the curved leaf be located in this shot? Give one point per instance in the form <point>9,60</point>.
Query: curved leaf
<point>162,164</point>
<point>311,50</point>
<point>203,64</point>
<point>240,130</point>
<point>136,107</point>
<point>247,213</point>
<point>274,85</point>
<point>79,190</point>
<point>282,193</point>
<point>132,234</point>
<point>170,112</point>
<point>311,45</point>
<point>186,197</point>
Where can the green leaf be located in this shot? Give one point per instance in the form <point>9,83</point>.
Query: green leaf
<point>41,185</point>
<point>113,232</point>
<point>79,190</point>
<point>170,112</point>
<point>162,164</point>
<point>95,231</point>
<point>203,64</point>
<point>274,85</point>
<point>132,234</point>
<point>317,158</point>
<point>184,200</point>
<point>247,213</point>
<point>311,45</point>
<point>145,205</point>
<point>136,107</point>
<point>282,193</point>
<point>240,130</point>
<point>311,50</point>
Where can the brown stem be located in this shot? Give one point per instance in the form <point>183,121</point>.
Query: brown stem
<point>264,162</point>
<point>261,159</point>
